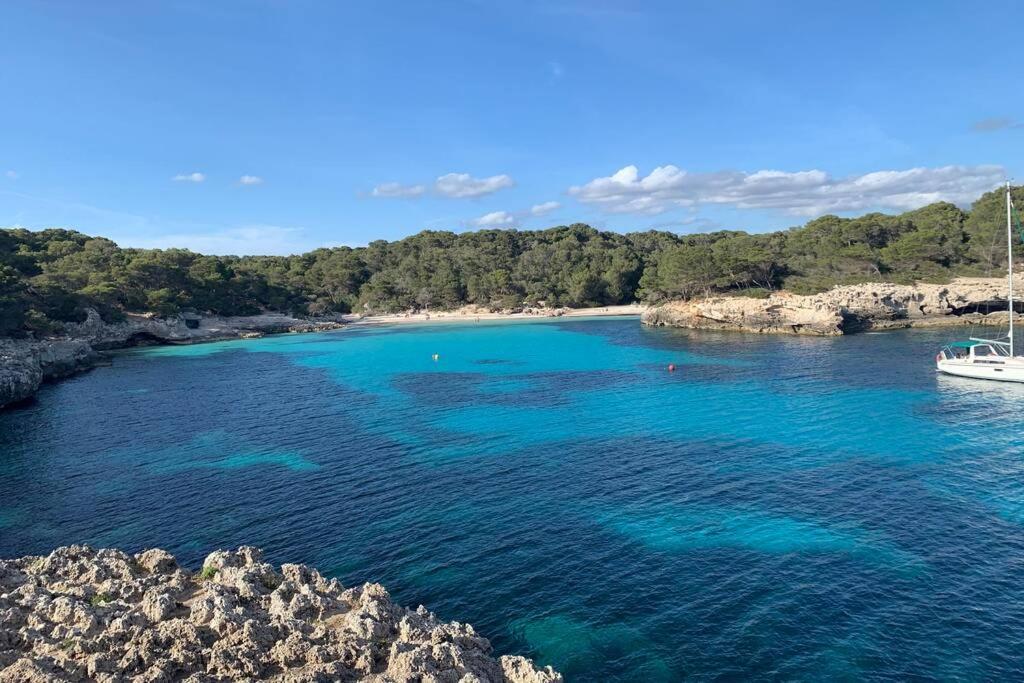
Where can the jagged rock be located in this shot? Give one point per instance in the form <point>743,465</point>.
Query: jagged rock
<point>25,364</point>
<point>21,374</point>
<point>102,615</point>
<point>841,310</point>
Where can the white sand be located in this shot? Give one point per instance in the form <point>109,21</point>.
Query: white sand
<point>474,314</point>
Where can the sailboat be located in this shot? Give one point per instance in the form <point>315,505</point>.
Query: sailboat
<point>991,359</point>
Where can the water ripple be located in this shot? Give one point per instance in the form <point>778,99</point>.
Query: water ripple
<point>776,508</point>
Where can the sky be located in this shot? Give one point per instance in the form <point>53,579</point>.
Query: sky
<point>279,126</point>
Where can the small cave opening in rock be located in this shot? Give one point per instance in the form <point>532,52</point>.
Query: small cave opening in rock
<point>986,307</point>
<point>143,339</point>
<point>853,323</point>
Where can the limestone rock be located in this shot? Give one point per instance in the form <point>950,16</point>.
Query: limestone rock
<point>20,372</point>
<point>102,615</point>
<point>841,310</point>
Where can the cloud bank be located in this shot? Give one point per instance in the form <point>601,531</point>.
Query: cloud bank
<point>450,185</point>
<point>463,185</point>
<point>801,193</point>
<point>195,177</point>
<point>250,180</point>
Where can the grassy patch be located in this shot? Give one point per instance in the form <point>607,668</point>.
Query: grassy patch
<point>750,293</point>
<point>207,573</point>
<point>100,599</point>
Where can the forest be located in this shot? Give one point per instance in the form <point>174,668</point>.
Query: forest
<point>52,276</point>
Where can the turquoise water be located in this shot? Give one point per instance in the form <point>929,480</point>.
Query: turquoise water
<point>775,508</point>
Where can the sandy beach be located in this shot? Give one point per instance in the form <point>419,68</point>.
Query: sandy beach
<point>475,314</point>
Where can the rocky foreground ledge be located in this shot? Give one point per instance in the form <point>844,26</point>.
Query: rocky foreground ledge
<point>27,363</point>
<point>842,310</point>
<point>104,615</point>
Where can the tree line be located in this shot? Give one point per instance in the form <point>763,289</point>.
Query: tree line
<point>53,276</point>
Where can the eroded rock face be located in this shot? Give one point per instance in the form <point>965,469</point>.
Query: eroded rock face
<point>25,364</point>
<point>20,375</point>
<point>137,328</point>
<point>82,615</point>
<point>845,309</point>
<point>785,314</point>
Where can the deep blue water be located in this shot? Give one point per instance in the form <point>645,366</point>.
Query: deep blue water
<point>776,508</point>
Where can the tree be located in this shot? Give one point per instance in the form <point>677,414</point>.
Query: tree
<point>53,276</point>
<point>688,270</point>
<point>985,227</point>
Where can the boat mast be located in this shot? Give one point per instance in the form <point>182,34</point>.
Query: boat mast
<point>1009,260</point>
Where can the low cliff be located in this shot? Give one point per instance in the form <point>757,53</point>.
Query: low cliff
<point>26,363</point>
<point>142,329</point>
<point>103,615</point>
<point>841,310</point>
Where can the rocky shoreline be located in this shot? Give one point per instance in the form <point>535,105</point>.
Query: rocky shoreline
<point>844,310</point>
<point>26,363</point>
<point>80,614</point>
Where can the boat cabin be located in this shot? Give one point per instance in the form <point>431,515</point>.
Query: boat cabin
<point>975,351</point>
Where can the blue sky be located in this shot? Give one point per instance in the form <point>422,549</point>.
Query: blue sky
<point>278,126</point>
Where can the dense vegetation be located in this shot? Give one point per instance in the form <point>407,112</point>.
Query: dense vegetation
<point>53,275</point>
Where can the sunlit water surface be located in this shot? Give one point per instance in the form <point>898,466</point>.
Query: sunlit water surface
<point>776,507</point>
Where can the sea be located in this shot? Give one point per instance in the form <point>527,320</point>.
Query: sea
<point>773,507</point>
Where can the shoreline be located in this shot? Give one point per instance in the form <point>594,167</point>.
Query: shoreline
<point>27,364</point>
<point>468,315</point>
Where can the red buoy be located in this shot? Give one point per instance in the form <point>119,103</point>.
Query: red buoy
<point>671,367</point>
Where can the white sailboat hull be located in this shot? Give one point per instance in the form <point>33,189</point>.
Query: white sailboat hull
<point>1001,370</point>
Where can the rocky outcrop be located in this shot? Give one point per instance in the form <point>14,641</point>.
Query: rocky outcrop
<point>779,313</point>
<point>26,363</point>
<point>140,329</point>
<point>103,615</point>
<point>841,310</point>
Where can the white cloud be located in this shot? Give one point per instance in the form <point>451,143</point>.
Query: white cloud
<point>250,180</point>
<point>398,190</point>
<point>195,177</point>
<point>544,208</point>
<point>495,219</point>
<point>804,193</point>
<point>462,185</point>
<point>451,185</point>
<point>13,175</point>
